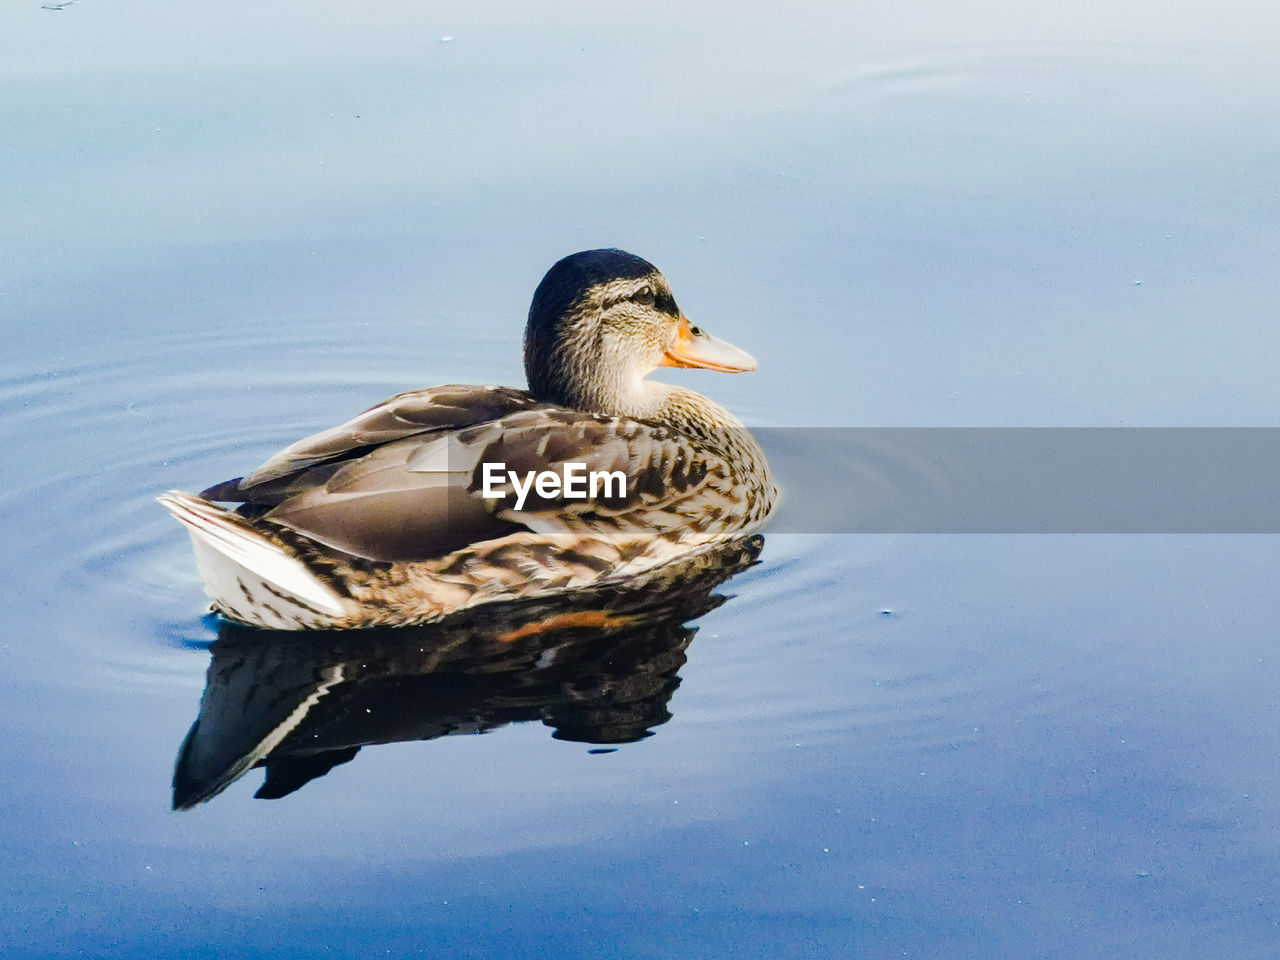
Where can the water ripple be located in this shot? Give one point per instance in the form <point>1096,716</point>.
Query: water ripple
<point>105,436</point>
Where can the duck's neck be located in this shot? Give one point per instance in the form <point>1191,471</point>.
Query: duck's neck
<point>685,411</point>
<point>688,412</point>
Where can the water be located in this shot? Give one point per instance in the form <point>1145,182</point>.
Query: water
<point>224,228</point>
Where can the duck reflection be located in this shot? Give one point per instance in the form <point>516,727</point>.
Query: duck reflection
<point>598,667</point>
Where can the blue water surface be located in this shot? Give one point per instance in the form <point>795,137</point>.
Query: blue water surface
<point>226,227</point>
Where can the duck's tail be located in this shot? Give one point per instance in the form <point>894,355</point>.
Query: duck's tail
<point>250,577</point>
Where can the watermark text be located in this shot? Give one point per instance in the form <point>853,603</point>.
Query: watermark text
<point>576,483</point>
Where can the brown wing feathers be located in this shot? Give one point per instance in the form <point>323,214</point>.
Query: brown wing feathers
<point>403,481</point>
<point>404,415</point>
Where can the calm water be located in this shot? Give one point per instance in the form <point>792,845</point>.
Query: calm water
<point>226,227</point>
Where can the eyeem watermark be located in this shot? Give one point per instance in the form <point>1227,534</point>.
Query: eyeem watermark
<point>577,483</point>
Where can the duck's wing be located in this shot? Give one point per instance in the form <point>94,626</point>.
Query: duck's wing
<point>424,496</point>
<point>404,415</point>
<point>670,481</point>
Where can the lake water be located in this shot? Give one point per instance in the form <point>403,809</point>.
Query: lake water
<point>227,227</point>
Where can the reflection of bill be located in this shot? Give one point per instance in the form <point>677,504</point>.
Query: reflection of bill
<point>577,483</point>
<point>598,666</point>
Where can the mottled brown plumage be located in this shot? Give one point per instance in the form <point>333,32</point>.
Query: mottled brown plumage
<point>387,513</point>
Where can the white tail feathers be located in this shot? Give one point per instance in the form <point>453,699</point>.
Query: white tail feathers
<point>249,577</point>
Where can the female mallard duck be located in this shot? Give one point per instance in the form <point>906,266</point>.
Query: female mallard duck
<point>413,510</point>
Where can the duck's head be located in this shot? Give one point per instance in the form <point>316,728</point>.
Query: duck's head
<point>603,320</point>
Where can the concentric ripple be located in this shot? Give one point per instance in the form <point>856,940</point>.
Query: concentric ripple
<point>109,573</point>
<point>121,596</point>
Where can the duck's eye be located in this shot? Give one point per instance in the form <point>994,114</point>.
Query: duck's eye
<point>644,296</point>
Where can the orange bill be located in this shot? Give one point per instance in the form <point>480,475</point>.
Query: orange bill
<point>692,347</point>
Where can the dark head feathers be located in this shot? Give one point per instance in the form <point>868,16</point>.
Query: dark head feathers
<point>560,290</point>
<point>577,273</point>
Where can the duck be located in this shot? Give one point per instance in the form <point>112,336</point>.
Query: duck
<point>441,499</point>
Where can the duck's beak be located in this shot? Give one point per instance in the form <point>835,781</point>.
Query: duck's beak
<point>694,348</point>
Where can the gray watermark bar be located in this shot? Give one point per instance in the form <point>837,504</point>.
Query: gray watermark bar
<point>1025,480</point>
